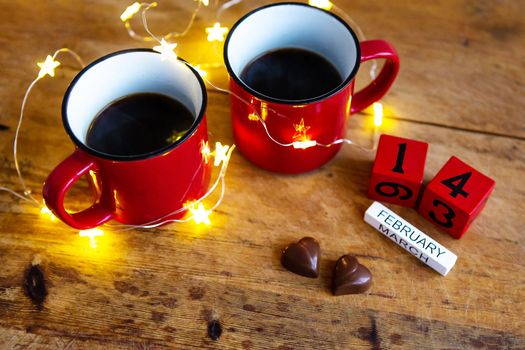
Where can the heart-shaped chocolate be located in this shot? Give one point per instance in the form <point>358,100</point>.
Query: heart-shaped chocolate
<point>302,257</point>
<point>350,277</point>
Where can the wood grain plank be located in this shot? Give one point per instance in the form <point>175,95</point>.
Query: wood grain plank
<point>160,288</point>
<point>139,285</point>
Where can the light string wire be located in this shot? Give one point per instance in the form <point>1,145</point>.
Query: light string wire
<point>225,7</point>
<point>166,47</point>
<point>267,131</point>
<point>162,220</point>
<point>47,68</point>
<point>126,18</point>
<point>136,7</point>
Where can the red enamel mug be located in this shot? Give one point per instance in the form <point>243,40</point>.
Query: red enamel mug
<point>135,189</point>
<point>296,25</point>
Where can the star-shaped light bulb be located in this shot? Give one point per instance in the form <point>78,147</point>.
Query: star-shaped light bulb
<point>130,11</point>
<point>301,139</point>
<point>200,214</point>
<point>205,151</point>
<point>220,154</point>
<point>216,33</point>
<point>48,67</point>
<point>91,234</point>
<point>300,130</point>
<point>44,211</point>
<point>378,113</point>
<point>166,50</point>
<point>322,4</point>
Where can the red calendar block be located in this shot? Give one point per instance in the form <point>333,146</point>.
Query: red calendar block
<point>455,197</point>
<point>398,170</point>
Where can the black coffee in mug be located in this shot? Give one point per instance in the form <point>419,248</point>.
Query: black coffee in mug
<point>138,124</point>
<point>291,74</point>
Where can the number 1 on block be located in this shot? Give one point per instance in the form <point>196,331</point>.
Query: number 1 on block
<point>398,170</point>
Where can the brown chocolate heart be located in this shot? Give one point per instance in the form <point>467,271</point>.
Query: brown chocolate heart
<point>302,257</point>
<point>350,277</point>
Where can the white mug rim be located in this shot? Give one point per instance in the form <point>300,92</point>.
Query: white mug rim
<point>80,144</point>
<point>267,98</point>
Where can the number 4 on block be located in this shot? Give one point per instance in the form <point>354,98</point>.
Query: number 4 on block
<point>455,197</point>
<point>398,170</point>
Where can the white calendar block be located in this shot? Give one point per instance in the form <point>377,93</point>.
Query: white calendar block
<point>410,238</point>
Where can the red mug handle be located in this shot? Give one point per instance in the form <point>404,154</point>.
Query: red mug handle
<point>60,181</point>
<point>373,49</point>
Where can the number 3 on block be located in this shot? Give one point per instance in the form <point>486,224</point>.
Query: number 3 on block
<point>398,170</point>
<point>455,197</point>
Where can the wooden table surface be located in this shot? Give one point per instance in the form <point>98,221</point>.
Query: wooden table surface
<point>461,89</point>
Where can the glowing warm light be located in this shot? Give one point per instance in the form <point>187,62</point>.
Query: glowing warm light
<point>221,153</point>
<point>166,50</point>
<point>201,71</point>
<point>264,110</point>
<point>300,131</point>
<point>130,11</point>
<point>91,234</point>
<point>205,151</point>
<point>253,117</point>
<point>46,212</point>
<point>378,113</point>
<point>200,214</point>
<point>304,144</point>
<point>48,67</point>
<point>204,2</point>
<point>216,32</point>
<point>301,140</point>
<point>322,4</point>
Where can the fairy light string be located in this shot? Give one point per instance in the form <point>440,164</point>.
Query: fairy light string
<point>222,153</point>
<point>217,33</point>
<point>134,8</point>
<point>198,213</point>
<point>192,206</point>
<point>47,68</point>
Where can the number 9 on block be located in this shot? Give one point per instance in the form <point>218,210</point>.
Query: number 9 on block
<point>398,170</point>
<point>455,197</point>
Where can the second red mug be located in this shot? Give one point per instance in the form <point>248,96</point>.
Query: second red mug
<point>132,189</point>
<point>321,118</point>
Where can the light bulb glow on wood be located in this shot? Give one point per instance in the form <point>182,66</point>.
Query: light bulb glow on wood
<point>201,71</point>
<point>216,33</point>
<point>322,4</point>
<point>91,234</point>
<point>44,211</point>
<point>166,50</point>
<point>130,11</point>
<point>378,113</point>
<point>47,67</point>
